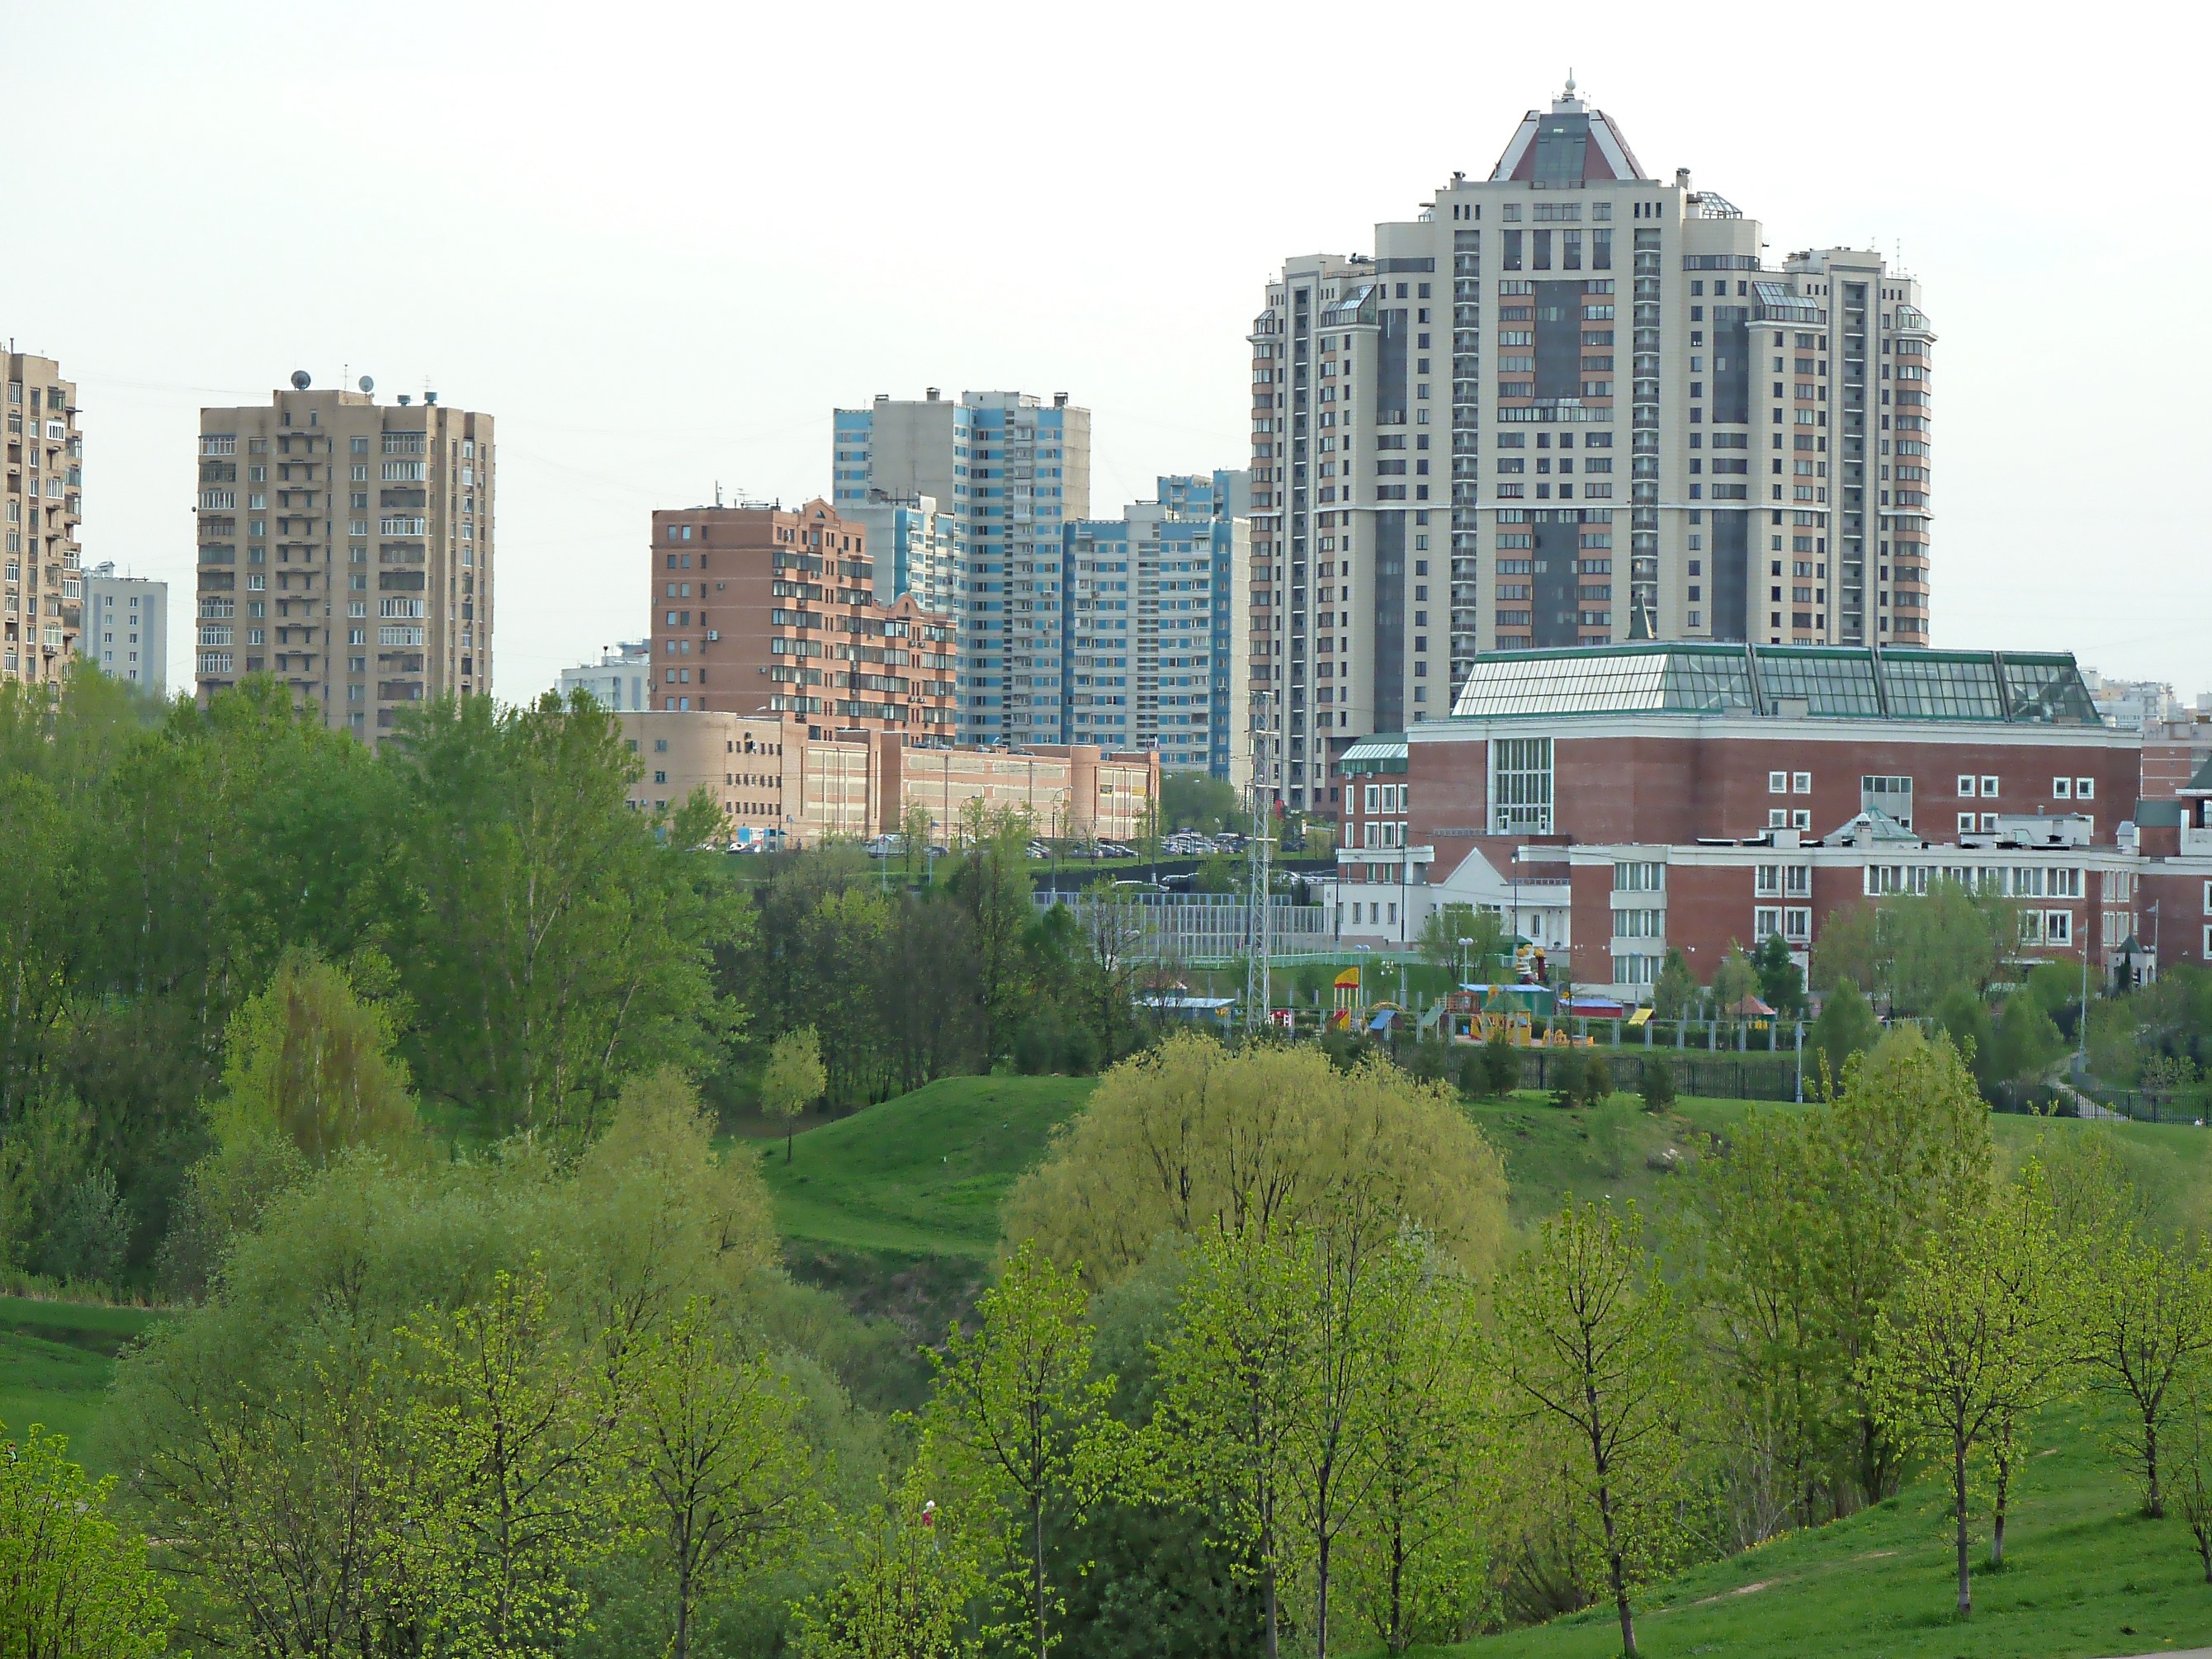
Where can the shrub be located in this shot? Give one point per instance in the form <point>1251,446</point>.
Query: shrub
<point>1657,1084</point>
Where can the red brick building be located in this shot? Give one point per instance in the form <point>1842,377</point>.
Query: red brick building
<point>757,611</point>
<point>1619,802</point>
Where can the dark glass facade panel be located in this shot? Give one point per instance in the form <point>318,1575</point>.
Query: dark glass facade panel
<point>1831,683</point>
<point>1941,688</point>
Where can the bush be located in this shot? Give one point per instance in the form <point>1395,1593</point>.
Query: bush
<point>1500,1067</point>
<point>1564,1072</point>
<point>1597,1079</point>
<point>1037,1045</point>
<point>1657,1084</point>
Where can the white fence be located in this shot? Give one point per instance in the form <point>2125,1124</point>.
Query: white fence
<point>1201,926</point>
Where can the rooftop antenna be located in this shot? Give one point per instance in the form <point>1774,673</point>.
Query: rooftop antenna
<point>717,492</point>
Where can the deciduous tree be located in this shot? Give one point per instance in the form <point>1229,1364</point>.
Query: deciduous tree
<point>793,1078</point>
<point>1591,1337</point>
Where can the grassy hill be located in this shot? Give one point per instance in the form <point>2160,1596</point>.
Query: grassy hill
<point>2085,1576</point>
<point>924,1175</point>
<point>56,1358</point>
<point>921,1175</point>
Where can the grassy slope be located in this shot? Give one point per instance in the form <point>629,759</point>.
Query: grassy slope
<point>2085,1576</point>
<point>922,1175</point>
<point>56,1358</point>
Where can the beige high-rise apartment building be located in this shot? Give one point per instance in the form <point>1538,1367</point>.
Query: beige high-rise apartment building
<point>42,601</point>
<point>345,547</point>
<point>1567,405</point>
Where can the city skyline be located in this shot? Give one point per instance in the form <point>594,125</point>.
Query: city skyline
<point>2035,489</point>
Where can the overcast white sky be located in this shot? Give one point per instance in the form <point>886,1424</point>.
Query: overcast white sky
<point>659,243</point>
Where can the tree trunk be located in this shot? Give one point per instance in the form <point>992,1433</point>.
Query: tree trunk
<point>2004,1462</point>
<point>2155,1500</point>
<point>1617,1568</point>
<point>1320,1600</point>
<point>1958,1513</point>
<point>1273,1649</point>
<point>681,1648</point>
<point>787,1133</point>
<point>1037,1579</point>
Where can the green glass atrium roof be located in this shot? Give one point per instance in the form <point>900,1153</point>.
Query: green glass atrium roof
<point>1817,682</point>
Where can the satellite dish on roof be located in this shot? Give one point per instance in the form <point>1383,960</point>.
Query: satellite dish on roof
<point>367,384</point>
<point>301,380</point>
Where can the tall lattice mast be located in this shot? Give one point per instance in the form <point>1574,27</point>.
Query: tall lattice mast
<point>1258,991</point>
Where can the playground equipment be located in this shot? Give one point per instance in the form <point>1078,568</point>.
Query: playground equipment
<point>1478,1013</point>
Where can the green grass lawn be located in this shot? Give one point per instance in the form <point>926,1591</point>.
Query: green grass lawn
<point>56,1358</point>
<point>2085,1576</point>
<point>921,1175</point>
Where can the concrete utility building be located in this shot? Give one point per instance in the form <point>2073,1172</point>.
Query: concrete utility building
<point>1623,800</point>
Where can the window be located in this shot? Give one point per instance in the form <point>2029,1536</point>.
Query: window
<point>1777,783</point>
<point>2030,927</point>
<point>1990,786</point>
<point>1798,926</point>
<point>1765,921</point>
<point>1989,824</point>
<point>1767,880</point>
<point>2061,788</point>
<point>2058,926</point>
<point>1639,877</point>
<point>1778,817</point>
<point>1966,824</point>
<point>2085,789</point>
<point>1801,783</point>
<point>1801,819</point>
<point>1521,785</point>
<point>1640,924</point>
<point>1966,786</point>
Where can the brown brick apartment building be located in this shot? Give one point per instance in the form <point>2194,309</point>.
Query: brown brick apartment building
<point>758,610</point>
<point>1618,802</point>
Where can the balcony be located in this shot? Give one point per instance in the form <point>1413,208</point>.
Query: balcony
<point>2195,842</point>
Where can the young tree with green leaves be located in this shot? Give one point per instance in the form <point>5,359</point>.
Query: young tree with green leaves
<point>1016,1425</point>
<point>2192,1476</point>
<point>1735,979</point>
<point>725,1472</point>
<point>1230,1400</point>
<point>1675,988</point>
<point>906,1590</point>
<point>2142,1322</point>
<point>510,1477</point>
<point>794,1080</point>
<point>1846,1028</point>
<point>1966,1348</point>
<point>1592,1338</point>
<point>1781,986</point>
<point>1415,1555</point>
<point>1445,926</point>
<point>73,1583</point>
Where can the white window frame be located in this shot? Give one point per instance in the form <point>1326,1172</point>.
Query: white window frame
<point>1765,921</point>
<point>2058,927</point>
<point>1797,880</point>
<point>1777,783</point>
<point>1767,881</point>
<point>1797,925</point>
<point>1966,786</point>
<point>1966,824</point>
<point>2062,789</point>
<point>1778,817</point>
<point>1989,786</point>
<point>1801,783</point>
<point>1802,819</point>
<point>2085,789</point>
